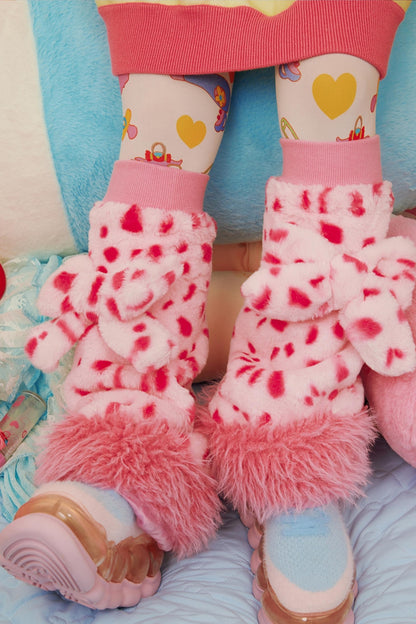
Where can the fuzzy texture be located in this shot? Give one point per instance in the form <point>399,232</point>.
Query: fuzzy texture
<point>323,251</point>
<point>72,35</point>
<point>135,308</point>
<point>68,37</point>
<point>305,464</point>
<point>149,464</point>
<point>136,304</point>
<point>329,295</point>
<point>393,400</point>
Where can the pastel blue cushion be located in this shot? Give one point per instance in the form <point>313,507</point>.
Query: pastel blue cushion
<point>84,121</point>
<point>81,103</point>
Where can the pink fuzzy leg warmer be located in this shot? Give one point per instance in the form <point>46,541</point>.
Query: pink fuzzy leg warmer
<point>288,427</point>
<point>135,306</point>
<point>150,464</point>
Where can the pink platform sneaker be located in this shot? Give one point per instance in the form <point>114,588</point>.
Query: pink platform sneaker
<point>289,429</point>
<point>56,542</point>
<point>134,309</point>
<point>304,570</point>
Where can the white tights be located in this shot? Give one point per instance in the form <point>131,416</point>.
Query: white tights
<point>179,121</point>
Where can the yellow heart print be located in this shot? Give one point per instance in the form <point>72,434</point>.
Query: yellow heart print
<point>334,97</point>
<point>192,133</point>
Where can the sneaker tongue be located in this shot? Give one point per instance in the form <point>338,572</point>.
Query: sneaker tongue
<point>310,522</point>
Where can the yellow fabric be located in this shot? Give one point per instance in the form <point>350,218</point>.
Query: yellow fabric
<point>403,3</point>
<point>268,7</point>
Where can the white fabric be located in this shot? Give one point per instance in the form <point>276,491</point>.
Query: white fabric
<point>27,178</point>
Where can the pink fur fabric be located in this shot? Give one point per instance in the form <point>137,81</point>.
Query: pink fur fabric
<point>393,400</point>
<point>329,255</point>
<point>135,306</point>
<point>143,284</point>
<point>150,464</point>
<point>265,469</point>
<point>329,295</point>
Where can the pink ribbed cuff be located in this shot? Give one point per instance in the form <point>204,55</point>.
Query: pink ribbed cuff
<point>148,184</point>
<point>350,162</point>
<point>201,39</point>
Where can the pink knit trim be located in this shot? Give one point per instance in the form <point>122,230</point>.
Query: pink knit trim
<point>160,39</point>
<point>150,185</point>
<point>332,164</point>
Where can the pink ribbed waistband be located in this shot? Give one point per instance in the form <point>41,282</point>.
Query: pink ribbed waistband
<point>201,39</point>
<point>350,162</point>
<point>148,184</point>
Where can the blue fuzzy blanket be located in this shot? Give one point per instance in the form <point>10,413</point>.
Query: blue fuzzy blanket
<point>77,86</point>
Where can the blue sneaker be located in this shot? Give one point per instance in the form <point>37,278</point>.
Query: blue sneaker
<point>304,568</point>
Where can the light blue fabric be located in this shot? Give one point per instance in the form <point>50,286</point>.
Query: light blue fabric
<point>112,501</point>
<point>309,548</point>
<point>395,115</point>
<point>18,313</point>
<point>84,121</point>
<point>81,103</point>
<point>310,523</point>
<point>250,152</point>
<point>16,484</point>
<point>215,586</point>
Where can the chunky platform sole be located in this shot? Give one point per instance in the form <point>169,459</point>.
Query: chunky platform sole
<point>61,548</point>
<point>272,611</point>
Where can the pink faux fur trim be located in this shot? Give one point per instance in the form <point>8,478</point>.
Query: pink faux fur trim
<point>149,464</point>
<point>264,468</point>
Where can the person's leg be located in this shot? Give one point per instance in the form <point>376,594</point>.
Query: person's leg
<point>290,435</point>
<point>303,559</point>
<point>174,121</point>
<point>327,99</point>
<point>126,452</point>
<point>390,398</point>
